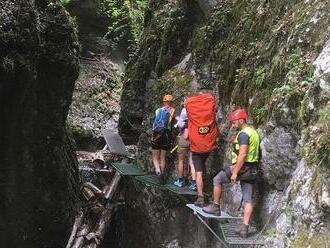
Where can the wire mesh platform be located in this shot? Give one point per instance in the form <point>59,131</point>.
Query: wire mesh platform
<point>128,169</point>
<point>114,142</point>
<point>151,180</point>
<point>228,230</point>
<point>179,190</point>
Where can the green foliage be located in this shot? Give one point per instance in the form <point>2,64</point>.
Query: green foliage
<point>259,114</point>
<point>317,149</point>
<point>65,2</point>
<point>260,76</point>
<point>119,30</point>
<point>136,12</point>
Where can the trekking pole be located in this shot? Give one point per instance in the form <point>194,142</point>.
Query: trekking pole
<point>176,147</point>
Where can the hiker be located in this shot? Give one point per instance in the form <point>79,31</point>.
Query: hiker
<point>203,132</point>
<point>183,150</point>
<point>161,136</point>
<point>245,168</point>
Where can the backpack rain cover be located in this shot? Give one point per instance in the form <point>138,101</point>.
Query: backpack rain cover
<point>202,126</point>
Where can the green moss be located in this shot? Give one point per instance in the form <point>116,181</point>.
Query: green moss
<point>303,240</point>
<point>265,45</point>
<point>260,76</point>
<point>172,82</point>
<point>317,148</point>
<point>65,2</point>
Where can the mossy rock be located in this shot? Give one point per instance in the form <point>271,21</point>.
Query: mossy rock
<point>303,239</point>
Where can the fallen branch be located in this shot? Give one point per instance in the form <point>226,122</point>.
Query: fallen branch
<point>76,224</point>
<point>110,190</point>
<point>83,235</point>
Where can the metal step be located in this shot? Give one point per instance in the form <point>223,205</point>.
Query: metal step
<point>114,142</point>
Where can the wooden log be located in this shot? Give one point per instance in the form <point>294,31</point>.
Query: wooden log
<point>88,194</point>
<point>107,213</point>
<point>95,189</point>
<point>109,191</point>
<point>94,237</point>
<point>102,226</point>
<point>105,171</point>
<point>81,237</point>
<point>75,227</point>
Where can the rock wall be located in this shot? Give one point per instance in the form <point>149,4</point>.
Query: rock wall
<point>38,67</point>
<point>270,57</point>
<point>165,40</point>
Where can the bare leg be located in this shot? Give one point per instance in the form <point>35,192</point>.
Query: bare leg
<point>162,160</point>
<point>192,168</point>
<point>156,160</point>
<point>248,209</point>
<point>217,194</point>
<point>199,183</point>
<point>181,157</point>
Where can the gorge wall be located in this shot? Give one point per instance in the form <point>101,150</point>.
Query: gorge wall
<point>271,57</point>
<point>38,66</point>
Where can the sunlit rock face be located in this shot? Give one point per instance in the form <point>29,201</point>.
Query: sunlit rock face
<point>38,67</point>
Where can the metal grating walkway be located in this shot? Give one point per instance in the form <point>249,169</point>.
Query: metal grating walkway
<point>180,191</point>
<point>128,169</point>
<point>232,238</point>
<point>150,180</point>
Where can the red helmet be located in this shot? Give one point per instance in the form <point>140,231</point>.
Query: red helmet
<point>238,114</point>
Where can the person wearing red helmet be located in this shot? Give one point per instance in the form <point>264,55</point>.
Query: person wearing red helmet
<point>245,158</point>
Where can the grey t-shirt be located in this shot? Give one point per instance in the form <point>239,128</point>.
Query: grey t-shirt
<point>243,139</point>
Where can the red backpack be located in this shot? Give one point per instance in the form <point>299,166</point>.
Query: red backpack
<point>202,126</point>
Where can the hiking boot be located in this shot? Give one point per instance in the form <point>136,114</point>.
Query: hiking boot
<point>179,183</point>
<point>200,202</point>
<point>243,230</point>
<point>212,209</point>
<point>193,186</point>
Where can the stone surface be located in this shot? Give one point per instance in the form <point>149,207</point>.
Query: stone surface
<point>279,157</point>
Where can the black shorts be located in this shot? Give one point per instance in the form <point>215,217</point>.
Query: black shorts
<point>199,160</point>
<point>161,141</point>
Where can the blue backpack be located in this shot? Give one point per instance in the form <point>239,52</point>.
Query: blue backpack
<point>160,123</point>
